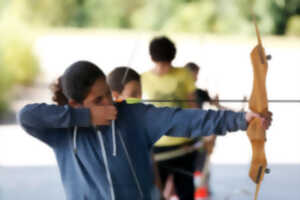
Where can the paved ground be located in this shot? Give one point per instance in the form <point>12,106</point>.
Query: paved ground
<point>27,167</point>
<point>229,182</point>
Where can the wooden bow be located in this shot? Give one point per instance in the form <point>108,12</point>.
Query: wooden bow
<point>258,103</point>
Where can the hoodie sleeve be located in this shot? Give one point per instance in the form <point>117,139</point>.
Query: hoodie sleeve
<point>39,120</point>
<point>191,122</point>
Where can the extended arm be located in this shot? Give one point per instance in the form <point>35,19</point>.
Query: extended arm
<point>191,122</point>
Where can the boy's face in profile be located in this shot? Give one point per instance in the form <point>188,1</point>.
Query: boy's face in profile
<point>195,75</point>
<point>131,89</point>
<point>99,95</point>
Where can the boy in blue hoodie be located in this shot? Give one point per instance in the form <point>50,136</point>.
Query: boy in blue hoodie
<point>103,150</point>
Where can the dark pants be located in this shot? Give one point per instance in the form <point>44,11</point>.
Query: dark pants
<point>182,169</point>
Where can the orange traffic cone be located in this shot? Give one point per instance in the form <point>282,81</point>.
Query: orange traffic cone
<point>201,192</point>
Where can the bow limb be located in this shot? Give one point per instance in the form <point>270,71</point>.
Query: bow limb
<point>258,103</point>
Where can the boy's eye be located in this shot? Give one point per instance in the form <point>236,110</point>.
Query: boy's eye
<point>98,100</point>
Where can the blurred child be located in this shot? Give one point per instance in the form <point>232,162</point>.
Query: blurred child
<point>203,97</point>
<point>168,82</point>
<point>125,83</point>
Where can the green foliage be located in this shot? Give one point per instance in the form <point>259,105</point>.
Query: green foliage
<point>6,81</point>
<point>154,14</point>
<point>293,26</point>
<point>43,12</point>
<point>18,64</point>
<point>112,13</point>
<point>281,11</point>
<point>216,16</point>
<point>76,13</point>
<point>239,18</point>
<point>194,17</point>
<point>17,53</point>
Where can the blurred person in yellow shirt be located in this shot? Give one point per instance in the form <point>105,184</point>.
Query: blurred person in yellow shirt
<point>175,157</point>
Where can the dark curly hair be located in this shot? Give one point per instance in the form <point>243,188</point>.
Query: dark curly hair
<point>58,95</point>
<point>120,76</point>
<point>76,82</point>
<point>162,49</point>
<point>193,67</point>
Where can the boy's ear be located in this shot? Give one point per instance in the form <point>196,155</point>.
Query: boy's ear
<point>74,104</point>
<point>115,95</point>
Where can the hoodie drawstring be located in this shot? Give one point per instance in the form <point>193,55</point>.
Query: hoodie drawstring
<point>75,139</point>
<point>111,187</point>
<point>113,138</point>
<point>105,160</point>
<point>138,185</point>
<point>113,126</point>
<point>99,135</point>
<point>75,131</point>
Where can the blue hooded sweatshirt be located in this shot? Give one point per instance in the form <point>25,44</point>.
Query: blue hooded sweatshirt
<point>85,154</point>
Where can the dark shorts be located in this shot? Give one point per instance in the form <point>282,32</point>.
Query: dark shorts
<point>182,168</point>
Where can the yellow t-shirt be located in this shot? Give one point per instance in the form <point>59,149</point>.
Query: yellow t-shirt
<point>176,84</point>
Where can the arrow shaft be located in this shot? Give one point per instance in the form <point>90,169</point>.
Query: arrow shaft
<point>220,100</point>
